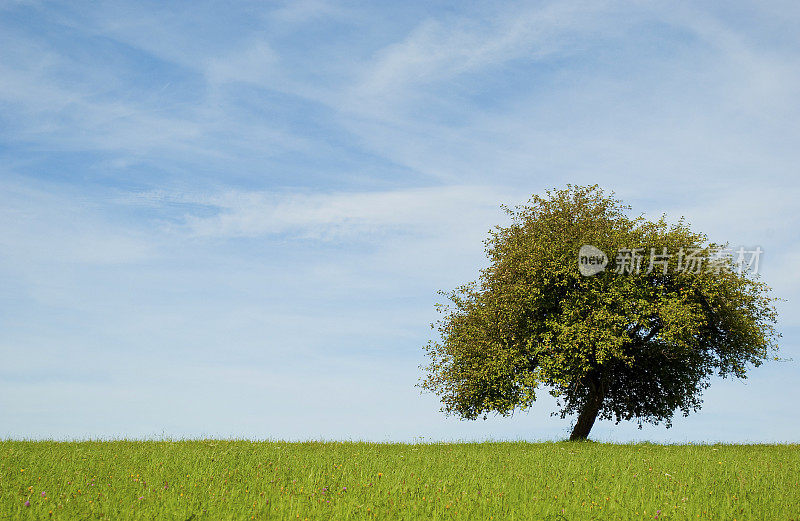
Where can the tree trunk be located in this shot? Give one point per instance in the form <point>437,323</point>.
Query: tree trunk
<point>588,414</point>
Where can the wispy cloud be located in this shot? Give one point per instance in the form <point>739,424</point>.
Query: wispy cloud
<point>256,64</point>
<point>437,50</point>
<point>42,227</point>
<point>344,215</point>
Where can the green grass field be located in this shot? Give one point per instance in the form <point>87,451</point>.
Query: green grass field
<point>218,480</point>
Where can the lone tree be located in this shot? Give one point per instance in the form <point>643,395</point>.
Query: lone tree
<point>635,341</point>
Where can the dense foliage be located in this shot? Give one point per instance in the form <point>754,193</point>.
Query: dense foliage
<point>618,345</point>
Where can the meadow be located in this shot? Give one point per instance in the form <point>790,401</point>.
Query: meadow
<point>217,480</point>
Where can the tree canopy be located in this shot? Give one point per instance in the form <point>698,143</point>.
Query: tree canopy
<point>638,340</point>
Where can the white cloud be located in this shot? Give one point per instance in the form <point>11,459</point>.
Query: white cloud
<point>41,227</point>
<point>439,49</point>
<point>254,63</point>
<point>343,215</point>
<point>54,99</point>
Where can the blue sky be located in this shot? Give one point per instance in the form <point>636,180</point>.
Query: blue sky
<point>232,220</point>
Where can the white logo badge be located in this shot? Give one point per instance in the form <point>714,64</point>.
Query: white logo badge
<point>591,260</point>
